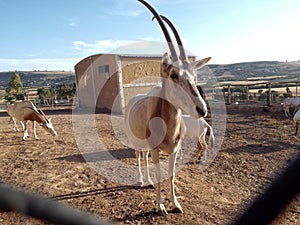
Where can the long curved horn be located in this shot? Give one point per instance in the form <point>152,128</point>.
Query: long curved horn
<point>43,114</point>
<point>164,29</point>
<point>178,39</point>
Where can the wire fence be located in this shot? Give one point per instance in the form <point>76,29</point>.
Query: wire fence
<point>262,211</point>
<point>268,205</point>
<point>48,210</point>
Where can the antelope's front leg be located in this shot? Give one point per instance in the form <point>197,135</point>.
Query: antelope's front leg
<point>22,124</point>
<point>160,205</point>
<point>138,158</point>
<point>176,207</point>
<point>34,130</point>
<point>25,135</point>
<point>149,181</point>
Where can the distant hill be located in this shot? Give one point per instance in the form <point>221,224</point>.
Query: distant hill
<point>256,70</point>
<point>238,71</point>
<point>39,78</point>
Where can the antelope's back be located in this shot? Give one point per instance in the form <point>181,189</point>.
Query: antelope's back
<point>18,109</point>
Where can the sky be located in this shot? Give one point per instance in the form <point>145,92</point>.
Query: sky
<point>57,34</point>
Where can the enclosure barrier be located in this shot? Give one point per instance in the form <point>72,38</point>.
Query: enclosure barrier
<point>268,205</point>
<point>229,94</point>
<point>44,209</point>
<point>262,211</point>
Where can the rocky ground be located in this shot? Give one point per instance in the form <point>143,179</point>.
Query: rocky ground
<point>257,145</point>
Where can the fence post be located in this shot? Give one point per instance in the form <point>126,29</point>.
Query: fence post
<point>228,95</point>
<point>247,91</point>
<point>269,94</point>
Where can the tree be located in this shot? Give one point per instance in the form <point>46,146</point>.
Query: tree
<point>65,91</point>
<point>45,95</point>
<point>15,89</point>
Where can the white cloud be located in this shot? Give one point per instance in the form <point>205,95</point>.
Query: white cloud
<point>66,64</point>
<point>72,24</point>
<point>100,46</point>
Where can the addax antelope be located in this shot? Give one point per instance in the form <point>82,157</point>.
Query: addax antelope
<point>154,122</point>
<point>296,119</point>
<point>26,110</point>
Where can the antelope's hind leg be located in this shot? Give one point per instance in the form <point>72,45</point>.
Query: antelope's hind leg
<point>34,130</point>
<point>147,179</point>
<point>15,124</point>
<point>203,150</point>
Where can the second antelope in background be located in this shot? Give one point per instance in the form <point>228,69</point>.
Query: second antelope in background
<point>24,111</point>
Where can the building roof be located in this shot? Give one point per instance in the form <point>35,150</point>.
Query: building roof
<point>129,56</point>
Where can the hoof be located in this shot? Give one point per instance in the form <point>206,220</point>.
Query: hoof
<point>151,186</point>
<point>162,213</point>
<point>147,185</point>
<point>140,184</point>
<point>177,210</point>
<point>162,210</point>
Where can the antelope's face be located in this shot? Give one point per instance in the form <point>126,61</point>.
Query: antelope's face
<point>181,88</point>
<point>48,126</point>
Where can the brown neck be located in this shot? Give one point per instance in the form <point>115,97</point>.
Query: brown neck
<point>167,110</point>
<point>171,116</point>
<point>34,116</point>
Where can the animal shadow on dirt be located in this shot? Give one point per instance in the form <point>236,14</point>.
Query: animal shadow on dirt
<point>97,156</point>
<point>260,148</point>
<point>100,191</point>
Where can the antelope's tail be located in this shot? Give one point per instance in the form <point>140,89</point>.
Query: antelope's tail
<point>211,138</point>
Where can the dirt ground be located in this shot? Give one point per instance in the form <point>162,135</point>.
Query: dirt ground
<point>257,145</point>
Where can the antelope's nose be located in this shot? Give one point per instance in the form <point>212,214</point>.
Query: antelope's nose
<point>200,111</point>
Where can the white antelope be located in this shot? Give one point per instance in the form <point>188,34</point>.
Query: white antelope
<point>198,128</point>
<point>290,103</point>
<point>154,122</point>
<point>25,111</point>
<point>297,120</point>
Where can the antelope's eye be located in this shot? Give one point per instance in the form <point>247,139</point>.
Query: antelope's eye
<point>174,76</point>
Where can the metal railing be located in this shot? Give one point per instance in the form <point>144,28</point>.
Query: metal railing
<point>39,207</point>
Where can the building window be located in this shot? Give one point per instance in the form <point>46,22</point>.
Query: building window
<point>105,71</point>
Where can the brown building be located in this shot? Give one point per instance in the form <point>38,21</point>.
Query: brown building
<point>107,81</point>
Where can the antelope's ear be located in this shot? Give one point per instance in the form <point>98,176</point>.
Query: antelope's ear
<point>50,119</point>
<point>166,59</point>
<point>166,65</point>
<point>199,63</point>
